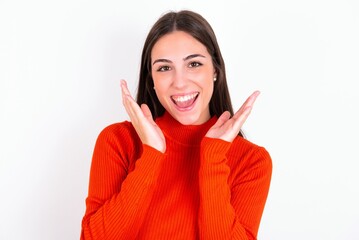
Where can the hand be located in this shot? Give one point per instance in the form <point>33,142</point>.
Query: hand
<point>142,121</point>
<point>227,128</point>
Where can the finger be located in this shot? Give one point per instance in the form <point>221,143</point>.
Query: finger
<point>248,103</point>
<point>252,98</point>
<point>237,123</point>
<point>124,88</point>
<point>134,107</point>
<point>243,113</point>
<point>147,112</point>
<point>131,106</point>
<point>124,91</point>
<point>128,100</point>
<point>222,119</point>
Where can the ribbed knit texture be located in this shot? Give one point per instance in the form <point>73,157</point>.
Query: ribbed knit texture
<point>201,188</point>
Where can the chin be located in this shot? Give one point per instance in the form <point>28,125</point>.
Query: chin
<point>188,120</point>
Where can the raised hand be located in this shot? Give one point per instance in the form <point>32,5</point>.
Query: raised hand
<point>142,121</point>
<point>227,127</point>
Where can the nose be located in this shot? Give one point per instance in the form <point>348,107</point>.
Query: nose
<point>179,80</point>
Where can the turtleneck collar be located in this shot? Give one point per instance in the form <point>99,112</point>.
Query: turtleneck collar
<point>183,134</point>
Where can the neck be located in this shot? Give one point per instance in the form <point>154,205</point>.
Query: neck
<point>183,134</point>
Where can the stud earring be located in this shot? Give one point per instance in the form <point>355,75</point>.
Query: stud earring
<point>214,79</point>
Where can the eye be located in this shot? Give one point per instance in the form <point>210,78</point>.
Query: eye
<point>194,64</point>
<point>163,69</point>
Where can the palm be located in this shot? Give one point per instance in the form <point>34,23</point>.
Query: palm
<point>141,119</point>
<point>227,127</point>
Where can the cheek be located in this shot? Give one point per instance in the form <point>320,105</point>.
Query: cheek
<point>161,81</point>
<point>209,90</point>
<point>208,84</point>
<point>160,88</point>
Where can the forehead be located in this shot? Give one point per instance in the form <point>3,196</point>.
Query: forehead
<point>178,43</point>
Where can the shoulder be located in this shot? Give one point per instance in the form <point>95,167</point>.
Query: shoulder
<point>245,152</point>
<point>245,146</point>
<point>120,135</point>
<point>116,130</point>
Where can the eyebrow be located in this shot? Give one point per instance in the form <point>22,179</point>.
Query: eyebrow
<point>184,59</point>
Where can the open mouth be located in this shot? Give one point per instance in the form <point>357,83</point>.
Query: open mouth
<point>185,101</point>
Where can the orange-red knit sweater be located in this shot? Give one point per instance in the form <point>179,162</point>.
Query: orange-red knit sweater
<point>200,188</point>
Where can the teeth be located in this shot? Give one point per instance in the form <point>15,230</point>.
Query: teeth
<point>184,98</point>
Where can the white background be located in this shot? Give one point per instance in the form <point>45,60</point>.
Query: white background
<point>60,66</point>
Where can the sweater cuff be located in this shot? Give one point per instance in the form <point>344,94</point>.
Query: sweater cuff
<point>214,149</point>
<point>151,152</point>
<point>150,162</point>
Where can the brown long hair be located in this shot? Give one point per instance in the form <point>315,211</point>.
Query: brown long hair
<point>197,26</point>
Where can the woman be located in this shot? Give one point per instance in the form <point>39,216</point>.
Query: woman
<point>180,169</point>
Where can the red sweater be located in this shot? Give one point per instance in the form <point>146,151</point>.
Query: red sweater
<point>200,188</point>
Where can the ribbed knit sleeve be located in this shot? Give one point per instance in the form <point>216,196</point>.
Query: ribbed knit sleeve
<point>232,203</point>
<point>118,195</point>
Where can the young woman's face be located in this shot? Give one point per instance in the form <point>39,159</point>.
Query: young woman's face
<point>183,76</point>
